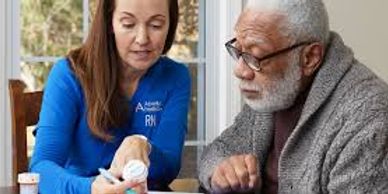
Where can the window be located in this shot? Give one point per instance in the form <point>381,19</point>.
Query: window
<point>50,28</point>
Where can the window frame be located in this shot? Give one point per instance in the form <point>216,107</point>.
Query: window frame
<point>223,99</point>
<point>9,50</point>
<point>3,75</point>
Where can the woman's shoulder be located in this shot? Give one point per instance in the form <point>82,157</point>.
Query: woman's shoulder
<point>62,67</point>
<point>61,75</point>
<point>173,67</point>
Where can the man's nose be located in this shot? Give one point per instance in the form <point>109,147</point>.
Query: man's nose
<point>243,71</point>
<point>142,36</point>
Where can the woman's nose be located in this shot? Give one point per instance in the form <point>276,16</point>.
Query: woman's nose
<point>142,36</point>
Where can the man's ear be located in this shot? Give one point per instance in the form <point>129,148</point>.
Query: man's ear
<point>311,58</point>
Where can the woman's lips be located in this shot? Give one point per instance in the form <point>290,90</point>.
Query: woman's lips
<point>141,54</point>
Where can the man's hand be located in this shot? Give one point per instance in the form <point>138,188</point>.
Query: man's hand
<point>237,173</point>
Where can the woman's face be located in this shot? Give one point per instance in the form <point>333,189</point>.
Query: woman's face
<point>140,28</point>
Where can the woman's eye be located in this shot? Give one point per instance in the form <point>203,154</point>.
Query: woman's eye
<point>128,25</point>
<point>156,26</point>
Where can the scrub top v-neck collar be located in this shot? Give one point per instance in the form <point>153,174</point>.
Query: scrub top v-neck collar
<point>146,82</point>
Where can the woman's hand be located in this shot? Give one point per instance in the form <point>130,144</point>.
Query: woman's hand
<point>141,188</point>
<point>132,147</point>
<point>102,186</point>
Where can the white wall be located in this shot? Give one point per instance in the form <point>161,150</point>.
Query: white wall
<point>364,27</point>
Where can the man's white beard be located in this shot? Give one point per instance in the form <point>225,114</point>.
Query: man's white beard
<point>280,93</point>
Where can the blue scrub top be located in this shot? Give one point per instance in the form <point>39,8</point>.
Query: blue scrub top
<point>67,156</point>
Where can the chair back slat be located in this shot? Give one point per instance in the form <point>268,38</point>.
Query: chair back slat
<point>25,108</point>
<point>34,102</point>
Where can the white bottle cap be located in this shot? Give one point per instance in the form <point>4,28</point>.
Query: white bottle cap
<point>28,178</point>
<point>135,170</point>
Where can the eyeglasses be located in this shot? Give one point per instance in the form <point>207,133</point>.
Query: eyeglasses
<point>254,62</point>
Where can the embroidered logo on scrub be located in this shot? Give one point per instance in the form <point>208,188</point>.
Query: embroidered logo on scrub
<point>150,108</point>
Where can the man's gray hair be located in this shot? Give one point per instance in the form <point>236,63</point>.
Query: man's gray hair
<point>306,20</point>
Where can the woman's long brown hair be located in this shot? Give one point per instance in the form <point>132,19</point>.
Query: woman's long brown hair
<point>97,65</point>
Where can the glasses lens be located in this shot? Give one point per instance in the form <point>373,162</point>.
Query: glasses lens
<point>233,52</point>
<point>251,61</point>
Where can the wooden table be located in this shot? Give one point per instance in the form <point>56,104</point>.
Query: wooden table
<point>15,190</point>
<point>178,185</point>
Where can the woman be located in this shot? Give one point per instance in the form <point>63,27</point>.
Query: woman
<point>115,99</point>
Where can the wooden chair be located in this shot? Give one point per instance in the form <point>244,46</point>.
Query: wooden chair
<point>25,108</point>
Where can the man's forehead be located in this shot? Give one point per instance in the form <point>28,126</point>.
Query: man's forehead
<point>256,26</point>
<point>251,39</point>
<point>249,19</point>
<point>258,19</point>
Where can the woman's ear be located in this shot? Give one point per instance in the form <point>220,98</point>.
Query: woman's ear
<point>311,58</point>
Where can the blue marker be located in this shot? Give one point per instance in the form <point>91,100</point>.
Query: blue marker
<point>106,174</point>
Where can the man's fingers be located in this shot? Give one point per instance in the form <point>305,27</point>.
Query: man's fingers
<point>219,183</point>
<point>241,171</point>
<point>230,175</point>
<point>251,163</point>
<point>237,173</point>
<point>253,181</point>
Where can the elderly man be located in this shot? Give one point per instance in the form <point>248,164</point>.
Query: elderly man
<point>315,119</point>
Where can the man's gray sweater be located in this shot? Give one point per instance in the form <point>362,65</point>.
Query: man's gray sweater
<point>340,143</point>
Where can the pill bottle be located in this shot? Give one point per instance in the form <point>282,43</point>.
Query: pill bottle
<point>137,171</point>
<point>28,183</point>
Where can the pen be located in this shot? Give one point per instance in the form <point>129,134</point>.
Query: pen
<point>106,174</point>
